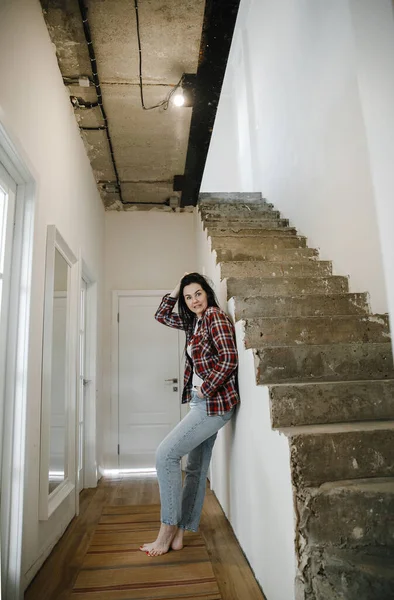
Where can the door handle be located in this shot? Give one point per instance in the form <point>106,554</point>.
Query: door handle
<point>173,380</point>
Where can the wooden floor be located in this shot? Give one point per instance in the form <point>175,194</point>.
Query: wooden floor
<point>57,576</point>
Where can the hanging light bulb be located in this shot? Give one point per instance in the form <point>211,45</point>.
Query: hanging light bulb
<point>184,93</point>
<point>178,98</point>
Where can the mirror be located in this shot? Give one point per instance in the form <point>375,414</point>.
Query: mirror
<point>57,471</point>
<point>58,425</point>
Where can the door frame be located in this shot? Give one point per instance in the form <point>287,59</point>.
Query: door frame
<point>116,295</point>
<point>90,445</point>
<point>13,463</point>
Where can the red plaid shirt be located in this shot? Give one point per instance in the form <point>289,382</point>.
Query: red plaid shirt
<point>214,355</point>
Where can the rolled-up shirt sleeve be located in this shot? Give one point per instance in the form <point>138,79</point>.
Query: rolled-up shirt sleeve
<point>223,338</point>
<point>165,314</point>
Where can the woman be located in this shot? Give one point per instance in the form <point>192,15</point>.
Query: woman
<point>210,386</point>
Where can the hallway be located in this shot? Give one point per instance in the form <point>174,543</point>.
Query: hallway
<point>296,238</point>
<point>56,578</point>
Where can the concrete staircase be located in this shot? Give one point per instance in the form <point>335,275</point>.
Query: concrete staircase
<point>329,367</point>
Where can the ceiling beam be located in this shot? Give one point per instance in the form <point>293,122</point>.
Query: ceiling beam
<point>218,28</point>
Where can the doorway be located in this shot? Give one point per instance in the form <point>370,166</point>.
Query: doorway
<point>147,373</point>
<point>86,459</point>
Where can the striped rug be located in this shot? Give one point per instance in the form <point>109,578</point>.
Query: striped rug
<point>115,569</point>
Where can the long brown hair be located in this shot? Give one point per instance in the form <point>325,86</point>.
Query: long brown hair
<point>185,313</point>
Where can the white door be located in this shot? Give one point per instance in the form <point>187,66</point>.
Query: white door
<point>84,382</point>
<point>149,387</point>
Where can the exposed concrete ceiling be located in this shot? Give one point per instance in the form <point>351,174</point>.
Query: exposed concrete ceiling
<point>149,146</point>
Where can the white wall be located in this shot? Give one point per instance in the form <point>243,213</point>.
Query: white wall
<point>37,115</point>
<point>250,469</point>
<point>374,34</point>
<point>143,251</point>
<point>307,98</point>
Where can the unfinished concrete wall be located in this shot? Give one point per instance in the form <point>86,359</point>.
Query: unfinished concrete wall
<point>307,136</point>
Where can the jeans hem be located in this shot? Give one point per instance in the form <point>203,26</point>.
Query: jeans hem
<point>186,528</point>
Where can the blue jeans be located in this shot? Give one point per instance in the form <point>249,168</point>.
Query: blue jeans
<point>195,435</point>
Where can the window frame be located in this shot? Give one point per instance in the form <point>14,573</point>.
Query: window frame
<point>13,411</point>
<point>8,185</point>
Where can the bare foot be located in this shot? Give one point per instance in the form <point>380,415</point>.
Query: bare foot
<point>177,542</point>
<point>163,542</point>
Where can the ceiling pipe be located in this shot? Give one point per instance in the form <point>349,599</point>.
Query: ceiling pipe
<point>96,81</point>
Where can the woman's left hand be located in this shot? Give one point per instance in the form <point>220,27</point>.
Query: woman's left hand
<point>198,391</point>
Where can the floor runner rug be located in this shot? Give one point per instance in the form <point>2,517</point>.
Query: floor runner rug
<point>115,569</point>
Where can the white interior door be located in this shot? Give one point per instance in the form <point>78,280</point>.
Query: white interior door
<point>149,396</point>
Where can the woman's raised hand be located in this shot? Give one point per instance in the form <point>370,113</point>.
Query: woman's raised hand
<point>175,292</point>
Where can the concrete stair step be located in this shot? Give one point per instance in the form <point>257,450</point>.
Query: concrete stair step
<point>230,198</point>
<point>301,306</point>
<point>337,455</point>
<point>355,513</point>
<point>264,213</point>
<point>295,331</point>
<point>239,212</point>
<point>236,209</point>
<point>339,574</point>
<point>265,243</point>
<point>260,244</point>
<point>293,405</point>
<point>282,286</point>
<point>267,214</point>
<point>275,232</point>
<point>334,362</point>
<point>248,249</point>
<point>250,204</point>
<point>244,223</point>
<point>264,268</point>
